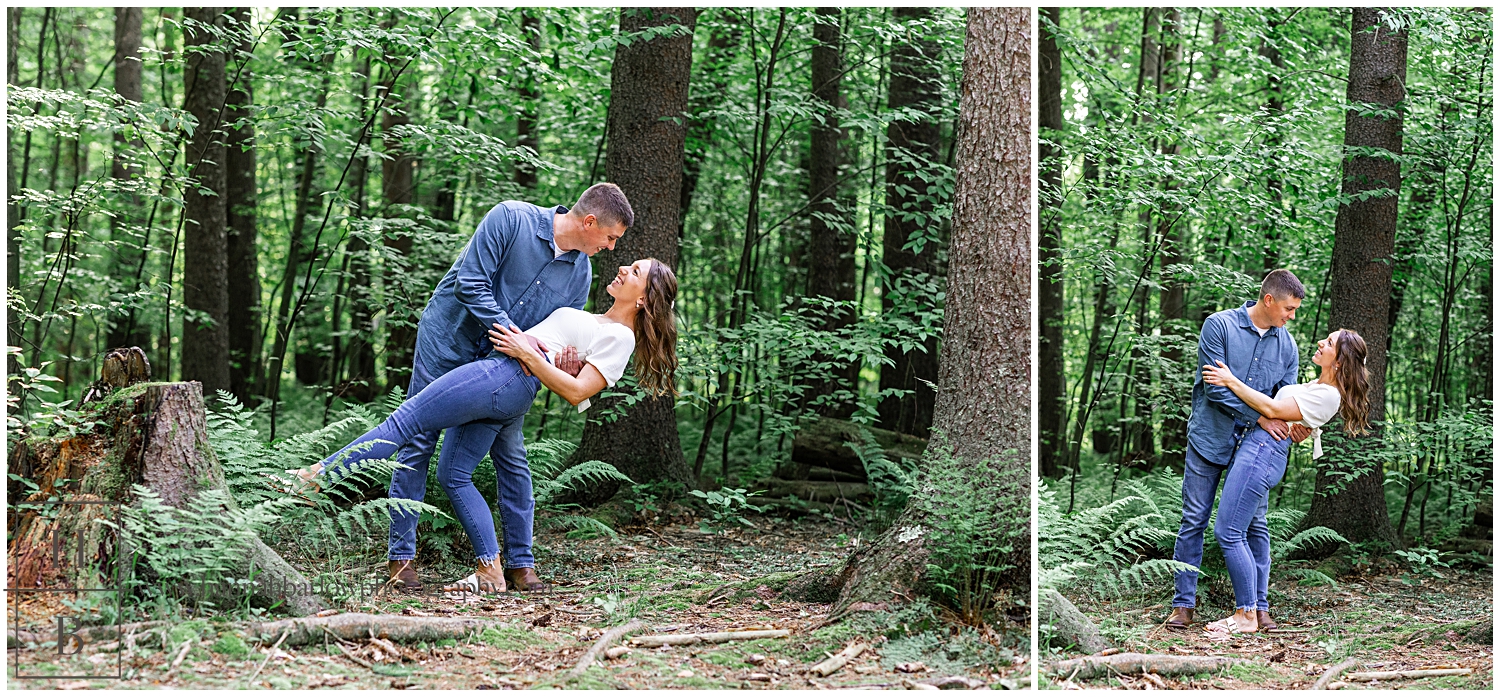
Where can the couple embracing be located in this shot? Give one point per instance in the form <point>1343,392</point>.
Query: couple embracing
<point>475,372</point>
<point>1248,408</point>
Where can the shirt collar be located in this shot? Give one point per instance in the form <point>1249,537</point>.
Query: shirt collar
<point>545,232</point>
<point>1242,313</point>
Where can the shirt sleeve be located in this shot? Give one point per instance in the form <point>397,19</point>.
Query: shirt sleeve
<point>479,263</point>
<point>1211,350</point>
<point>1318,403</point>
<point>610,353</point>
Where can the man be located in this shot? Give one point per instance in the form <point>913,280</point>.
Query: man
<point>1253,341</point>
<point>523,262</point>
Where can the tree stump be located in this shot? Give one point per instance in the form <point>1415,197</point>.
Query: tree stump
<point>152,434</point>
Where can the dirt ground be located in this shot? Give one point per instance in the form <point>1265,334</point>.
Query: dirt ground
<point>1386,616</point>
<point>674,578</point>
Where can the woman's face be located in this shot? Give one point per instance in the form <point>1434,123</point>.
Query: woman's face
<point>631,282</point>
<point>1327,351</point>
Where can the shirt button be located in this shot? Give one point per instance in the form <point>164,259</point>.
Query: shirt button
<point>539,283</point>
<point>523,302</point>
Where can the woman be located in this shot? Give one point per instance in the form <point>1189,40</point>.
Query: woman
<point>501,387</point>
<point>1342,388</point>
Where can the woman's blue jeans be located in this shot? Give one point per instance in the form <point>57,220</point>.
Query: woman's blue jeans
<point>493,390</point>
<point>1258,466</point>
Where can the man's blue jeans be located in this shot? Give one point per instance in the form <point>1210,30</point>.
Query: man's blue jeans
<point>1200,480</point>
<point>1259,465</point>
<point>494,392</point>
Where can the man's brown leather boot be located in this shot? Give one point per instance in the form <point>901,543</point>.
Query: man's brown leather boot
<point>1263,619</point>
<point>1180,618</point>
<point>525,581</point>
<point>403,575</point>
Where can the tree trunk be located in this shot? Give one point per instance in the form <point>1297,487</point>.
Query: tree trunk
<point>126,330</point>
<point>833,239</point>
<point>1174,291</point>
<point>1052,385</point>
<point>12,210</point>
<point>205,260</point>
<point>1364,240</point>
<point>526,116</point>
<point>396,186</point>
<point>244,272</point>
<point>830,443</point>
<point>982,472</point>
<point>648,88</point>
<point>713,83</point>
<point>915,85</point>
<point>360,384</point>
<point>1270,50</point>
<point>153,435</point>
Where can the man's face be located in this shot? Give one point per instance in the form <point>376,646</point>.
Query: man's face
<point>595,237</point>
<point>1282,310</point>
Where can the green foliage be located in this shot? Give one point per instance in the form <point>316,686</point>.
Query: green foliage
<point>973,536</point>
<point>726,508</point>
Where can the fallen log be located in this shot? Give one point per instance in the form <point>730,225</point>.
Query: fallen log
<point>359,626</point>
<point>1406,674</point>
<point>1070,627</point>
<point>834,663</point>
<point>815,491</point>
<point>603,643</point>
<point>708,638</point>
<point>827,443</point>
<point>1131,663</point>
<point>150,434</point>
<point>1332,674</point>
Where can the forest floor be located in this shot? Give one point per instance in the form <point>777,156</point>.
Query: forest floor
<point>1382,614</point>
<point>674,578</point>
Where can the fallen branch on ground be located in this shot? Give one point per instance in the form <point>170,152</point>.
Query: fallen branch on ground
<point>94,633</point>
<point>358,626</point>
<point>832,665</point>
<point>1407,674</point>
<point>267,659</point>
<point>1129,663</point>
<point>1333,673</point>
<point>603,643</point>
<point>709,638</point>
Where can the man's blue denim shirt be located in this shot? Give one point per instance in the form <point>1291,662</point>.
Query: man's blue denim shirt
<point>1265,363</point>
<point>506,274</point>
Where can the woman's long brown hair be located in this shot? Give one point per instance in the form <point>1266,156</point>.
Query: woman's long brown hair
<point>1353,380</point>
<point>656,334</point>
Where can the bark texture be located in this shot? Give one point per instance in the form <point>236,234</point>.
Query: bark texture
<point>397,182</point>
<point>915,85</point>
<point>833,240</point>
<point>1052,385</point>
<point>205,259</point>
<point>986,328</point>
<point>154,435</point>
<point>526,136</point>
<point>648,91</point>
<point>125,330</point>
<point>1069,626</point>
<point>1364,240</point>
<point>244,270</point>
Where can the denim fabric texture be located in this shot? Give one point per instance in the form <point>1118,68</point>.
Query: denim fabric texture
<point>495,389</point>
<point>1259,465</point>
<point>1265,363</point>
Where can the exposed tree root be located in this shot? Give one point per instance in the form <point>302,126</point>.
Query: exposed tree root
<point>1070,627</point>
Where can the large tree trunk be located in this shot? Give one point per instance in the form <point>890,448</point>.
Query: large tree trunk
<point>1174,291</point>
<point>983,469</point>
<point>916,85</point>
<point>12,210</point>
<point>397,174</point>
<point>1364,239</point>
<point>648,88</point>
<point>205,260</point>
<point>153,435</point>
<point>360,384</point>
<point>526,116</point>
<point>830,263</point>
<point>244,271</point>
<point>126,330</point>
<point>1052,385</point>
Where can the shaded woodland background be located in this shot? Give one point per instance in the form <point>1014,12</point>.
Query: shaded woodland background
<point>1186,153</point>
<point>262,200</point>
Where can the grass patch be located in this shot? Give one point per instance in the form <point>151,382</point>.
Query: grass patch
<point>507,636</point>
<point>1253,672</point>
<point>727,658</point>
<point>231,645</point>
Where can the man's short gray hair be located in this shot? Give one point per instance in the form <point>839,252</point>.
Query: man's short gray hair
<point>606,202</point>
<point>1282,284</point>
